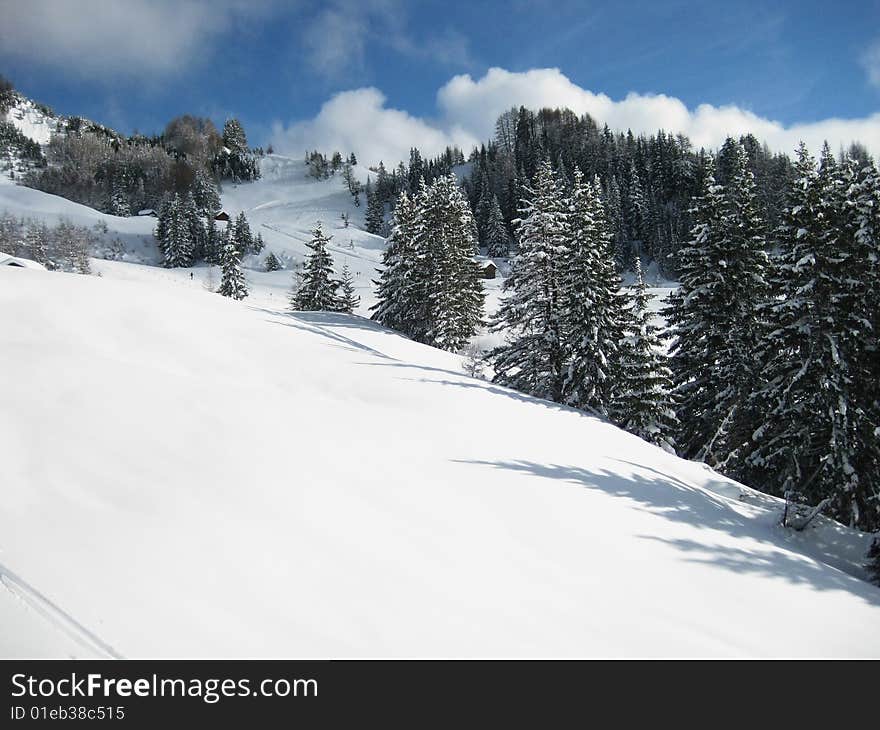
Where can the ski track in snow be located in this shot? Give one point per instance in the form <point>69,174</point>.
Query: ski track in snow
<point>55,615</point>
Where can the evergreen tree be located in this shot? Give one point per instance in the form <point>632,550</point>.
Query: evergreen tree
<point>643,403</point>
<point>272,262</point>
<point>714,319</point>
<point>319,290</point>
<point>819,444</point>
<point>394,290</point>
<point>259,245</point>
<point>212,242</point>
<point>591,305</point>
<point>197,232</point>
<point>205,194</point>
<point>241,235</point>
<point>37,242</point>
<point>163,223</point>
<point>430,288</point>
<point>533,359</point>
<point>232,282</point>
<point>455,292</point>
<point>348,299</point>
<point>495,235</point>
<point>119,202</point>
<point>375,218</point>
<point>177,245</point>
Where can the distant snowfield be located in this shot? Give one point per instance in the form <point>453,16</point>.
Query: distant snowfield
<point>185,475</point>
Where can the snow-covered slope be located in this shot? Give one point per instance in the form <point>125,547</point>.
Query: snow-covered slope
<point>184,475</point>
<point>31,120</point>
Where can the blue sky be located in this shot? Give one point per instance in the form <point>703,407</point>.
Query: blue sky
<point>137,63</point>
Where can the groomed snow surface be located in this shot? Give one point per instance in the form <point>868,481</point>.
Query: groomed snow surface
<point>185,475</point>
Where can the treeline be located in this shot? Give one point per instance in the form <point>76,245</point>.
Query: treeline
<point>775,356</point>
<point>63,247</point>
<point>99,168</point>
<point>648,181</point>
<point>773,375</point>
<point>572,335</point>
<point>186,232</point>
<point>383,192</point>
<point>94,165</point>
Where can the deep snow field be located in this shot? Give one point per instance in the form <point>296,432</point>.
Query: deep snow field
<point>185,475</point>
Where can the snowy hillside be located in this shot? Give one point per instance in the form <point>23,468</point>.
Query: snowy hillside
<point>185,475</point>
<point>32,120</point>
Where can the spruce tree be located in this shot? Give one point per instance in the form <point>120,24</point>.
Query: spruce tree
<point>714,319</point>
<point>205,194</point>
<point>643,401</point>
<point>591,303</point>
<point>272,262</point>
<point>533,359</point>
<point>394,294</point>
<point>430,288</point>
<point>375,217</point>
<point>319,290</point>
<point>212,242</point>
<point>197,232</point>
<point>495,235</point>
<point>232,282</point>
<point>348,299</point>
<point>456,290</point>
<point>177,246</point>
<point>819,442</point>
<point>241,235</point>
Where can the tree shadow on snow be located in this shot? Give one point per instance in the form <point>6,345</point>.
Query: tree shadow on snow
<point>313,326</point>
<point>671,498</point>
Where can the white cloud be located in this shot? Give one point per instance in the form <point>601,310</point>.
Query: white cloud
<point>108,39</point>
<point>335,41</point>
<point>360,121</point>
<point>871,62</point>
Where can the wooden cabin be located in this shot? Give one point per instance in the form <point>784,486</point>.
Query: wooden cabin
<point>489,270</point>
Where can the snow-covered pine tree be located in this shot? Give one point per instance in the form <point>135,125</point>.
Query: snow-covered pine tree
<point>348,299</point>
<point>742,265</point>
<point>375,216</point>
<point>272,262</point>
<point>177,246</point>
<point>241,235</point>
<point>259,245</point>
<point>197,232</point>
<point>590,301</point>
<point>483,207</point>
<point>394,304</point>
<point>319,290</point>
<point>714,319</point>
<point>212,242</point>
<point>163,223</point>
<point>643,401</point>
<point>455,293</point>
<point>232,282</point>
<point>636,208</point>
<point>819,444</point>
<point>495,235</point>
<point>119,201</point>
<point>532,359</point>
<point>37,242</point>
<point>205,194</point>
